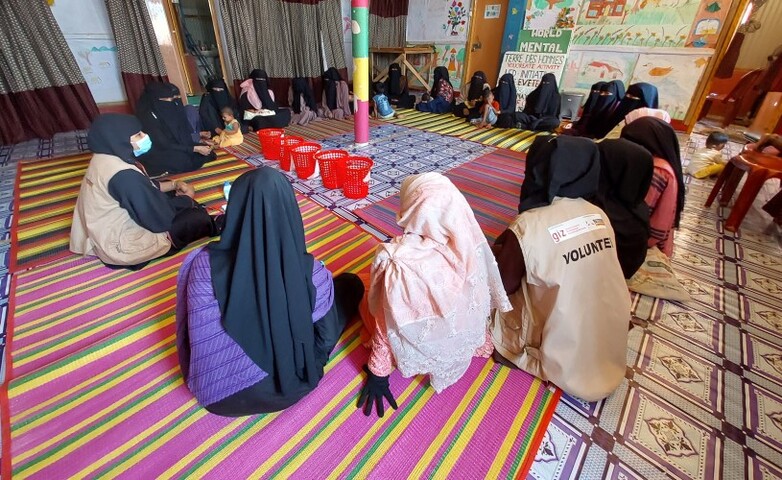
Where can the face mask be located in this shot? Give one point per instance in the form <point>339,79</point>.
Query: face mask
<point>142,146</point>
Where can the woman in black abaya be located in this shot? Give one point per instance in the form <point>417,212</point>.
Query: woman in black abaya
<point>164,119</point>
<point>257,98</point>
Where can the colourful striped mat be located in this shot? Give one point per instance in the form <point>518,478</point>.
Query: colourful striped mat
<point>75,302</point>
<point>96,391</point>
<point>447,124</point>
<point>491,185</point>
<point>120,409</point>
<point>315,131</point>
<point>46,194</point>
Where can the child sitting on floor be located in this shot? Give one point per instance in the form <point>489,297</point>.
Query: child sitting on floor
<point>231,135</point>
<point>708,160</point>
<point>489,111</point>
<point>383,108</point>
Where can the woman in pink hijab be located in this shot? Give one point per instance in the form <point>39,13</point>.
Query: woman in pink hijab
<point>431,292</point>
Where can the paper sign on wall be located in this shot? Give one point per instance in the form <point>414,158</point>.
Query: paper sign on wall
<point>492,11</point>
<point>539,53</point>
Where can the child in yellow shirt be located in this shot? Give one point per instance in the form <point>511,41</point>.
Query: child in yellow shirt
<point>708,161</point>
<point>231,135</point>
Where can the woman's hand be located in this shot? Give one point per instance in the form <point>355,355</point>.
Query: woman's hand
<point>202,149</point>
<point>374,391</point>
<point>206,134</point>
<point>183,188</point>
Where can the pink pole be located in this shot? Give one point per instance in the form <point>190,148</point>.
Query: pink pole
<point>360,26</point>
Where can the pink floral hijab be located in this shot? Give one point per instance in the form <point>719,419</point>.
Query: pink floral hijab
<point>435,285</point>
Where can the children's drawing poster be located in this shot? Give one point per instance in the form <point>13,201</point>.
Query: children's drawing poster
<point>539,53</point>
<point>452,58</point>
<point>546,14</point>
<point>438,21</point>
<point>604,67</point>
<point>675,76</point>
<point>707,24</point>
<point>98,62</point>
<point>641,23</point>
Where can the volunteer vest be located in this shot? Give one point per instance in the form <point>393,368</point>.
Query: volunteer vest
<point>570,316</point>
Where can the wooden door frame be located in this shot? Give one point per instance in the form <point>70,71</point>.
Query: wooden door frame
<point>731,25</point>
<point>468,46</point>
<point>176,28</point>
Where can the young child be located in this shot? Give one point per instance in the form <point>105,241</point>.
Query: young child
<point>708,160</point>
<point>383,108</point>
<point>489,111</point>
<point>232,133</point>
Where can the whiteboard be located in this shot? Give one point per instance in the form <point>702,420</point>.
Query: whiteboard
<point>438,21</point>
<point>98,62</point>
<point>82,17</point>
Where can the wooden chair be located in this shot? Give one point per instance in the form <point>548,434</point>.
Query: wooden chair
<point>760,166</point>
<point>734,99</point>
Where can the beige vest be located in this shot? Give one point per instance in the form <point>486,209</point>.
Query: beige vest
<point>570,316</point>
<point>104,229</point>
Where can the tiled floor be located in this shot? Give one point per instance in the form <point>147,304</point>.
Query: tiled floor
<point>702,397</point>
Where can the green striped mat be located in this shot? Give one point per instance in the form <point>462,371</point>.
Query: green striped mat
<point>447,124</point>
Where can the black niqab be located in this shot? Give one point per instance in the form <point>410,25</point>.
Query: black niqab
<point>477,82</point>
<point>216,98</point>
<point>110,134</point>
<point>331,79</point>
<point>301,88</point>
<point>544,100</point>
<point>218,95</point>
<point>660,140</point>
<point>610,95</point>
<point>262,279</point>
<point>169,116</point>
<point>559,167</point>
<point>626,171</point>
<point>594,95</point>
<point>394,81</point>
<point>261,85</point>
<point>505,93</point>
<point>639,95</point>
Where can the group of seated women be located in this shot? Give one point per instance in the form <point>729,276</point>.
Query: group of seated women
<point>608,108</point>
<point>482,102</point>
<point>258,316</point>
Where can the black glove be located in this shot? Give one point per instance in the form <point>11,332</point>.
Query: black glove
<point>375,389</point>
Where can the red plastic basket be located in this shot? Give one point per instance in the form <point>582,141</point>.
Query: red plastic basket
<point>270,142</point>
<point>357,168</point>
<point>286,145</point>
<point>355,189</point>
<point>332,167</point>
<point>303,158</point>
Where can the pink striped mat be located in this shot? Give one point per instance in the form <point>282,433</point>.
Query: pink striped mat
<point>491,184</point>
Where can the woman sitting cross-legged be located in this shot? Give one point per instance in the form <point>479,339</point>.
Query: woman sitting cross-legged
<point>431,292</point>
<point>259,108</point>
<point>257,316</point>
<point>123,217</point>
<point>214,101</point>
<point>175,144</point>
<point>440,98</point>
<point>558,263</point>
